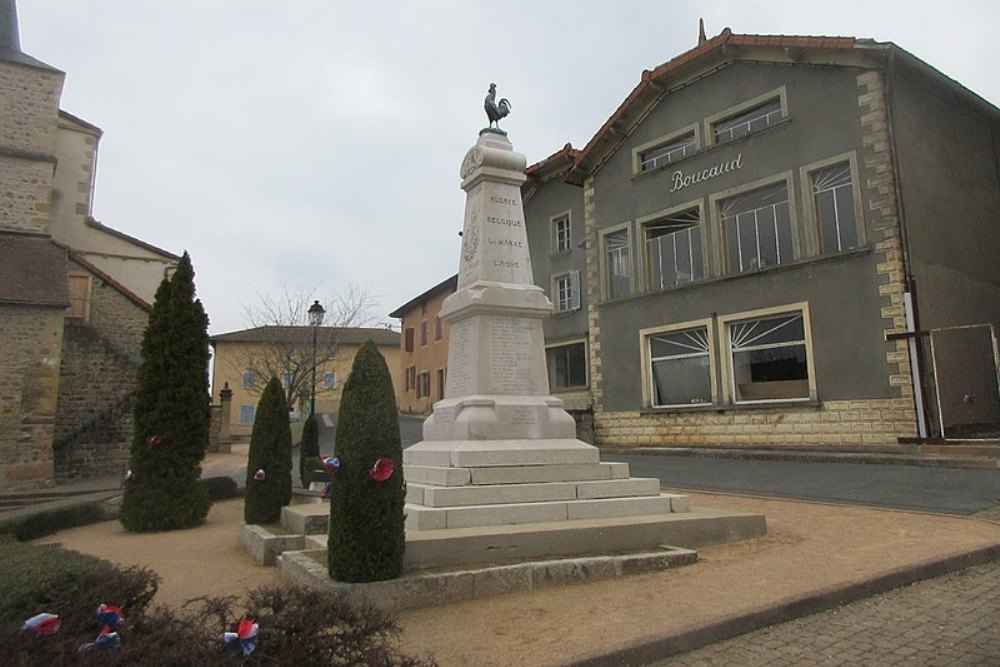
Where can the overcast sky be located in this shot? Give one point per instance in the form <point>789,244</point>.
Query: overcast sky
<point>315,143</point>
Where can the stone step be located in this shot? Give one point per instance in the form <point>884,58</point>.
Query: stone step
<point>500,494</point>
<point>499,453</point>
<point>524,474</point>
<point>419,517</point>
<point>313,519</point>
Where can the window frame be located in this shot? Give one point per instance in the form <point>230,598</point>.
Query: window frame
<point>573,303</point>
<point>605,269</point>
<point>647,220</point>
<point>586,365</point>
<point>694,130</point>
<point>249,379</point>
<point>742,108</point>
<point>248,410</point>
<point>554,238</point>
<point>330,380</point>
<point>408,339</point>
<point>423,382</point>
<point>726,352</point>
<point>648,393</point>
<point>438,328</point>
<point>813,234</point>
<point>720,241</point>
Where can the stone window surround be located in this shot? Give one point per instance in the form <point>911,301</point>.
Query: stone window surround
<point>603,256</point>
<point>812,244</point>
<point>720,359</point>
<point>718,253</point>
<point>728,389</point>
<point>711,121</point>
<point>646,362</point>
<point>642,262</point>
<point>694,130</point>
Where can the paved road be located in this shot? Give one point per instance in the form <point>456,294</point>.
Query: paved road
<point>947,490</point>
<point>950,620</point>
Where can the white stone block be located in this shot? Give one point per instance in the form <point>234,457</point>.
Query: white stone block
<point>618,488</point>
<point>679,503</point>
<point>440,476</point>
<point>498,515</point>
<point>618,507</point>
<point>544,473</point>
<point>497,495</point>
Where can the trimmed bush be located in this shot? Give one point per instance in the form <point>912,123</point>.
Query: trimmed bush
<point>309,450</point>
<point>270,452</point>
<point>45,522</point>
<point>367,535</point>
<point>221,488</point>
<point>171,412</point>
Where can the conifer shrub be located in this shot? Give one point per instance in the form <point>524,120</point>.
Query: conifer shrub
<point>367,536</point>
<point>269,467</point>
<point>309,450</point>
<point>171,412</point>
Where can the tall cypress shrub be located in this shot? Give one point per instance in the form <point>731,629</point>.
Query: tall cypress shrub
<point>171,412</point>
<point>309,450</point>
<point>367,535</point>
<point>269,467</point>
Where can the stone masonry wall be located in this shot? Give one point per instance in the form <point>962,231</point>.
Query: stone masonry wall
<point>100,360</point>
<point>29,383</point>
<point>838,423</point>
<point>29,110</point>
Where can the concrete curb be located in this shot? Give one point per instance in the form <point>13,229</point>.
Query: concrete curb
<point>652,650</point>
<point>807,456</point>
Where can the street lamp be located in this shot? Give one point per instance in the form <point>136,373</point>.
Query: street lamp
<point>316,313</point>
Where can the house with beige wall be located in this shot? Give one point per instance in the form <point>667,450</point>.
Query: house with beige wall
<point>245,360</point>
<point>423,353</point>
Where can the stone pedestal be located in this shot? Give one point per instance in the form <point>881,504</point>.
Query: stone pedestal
<point>499,449</point>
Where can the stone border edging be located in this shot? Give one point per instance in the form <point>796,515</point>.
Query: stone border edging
<point>645,652</point>
<point>422,589</point>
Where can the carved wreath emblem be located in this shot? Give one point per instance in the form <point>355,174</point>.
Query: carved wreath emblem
<point>473,160</point>
<point>470,239</point>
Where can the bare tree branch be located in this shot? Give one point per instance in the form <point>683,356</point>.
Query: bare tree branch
<point>284,337</point>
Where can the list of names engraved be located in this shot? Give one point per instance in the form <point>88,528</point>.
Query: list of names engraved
<point>510,354</point>
<point>459,363</point>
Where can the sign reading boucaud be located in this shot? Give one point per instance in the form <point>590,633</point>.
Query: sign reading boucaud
<point>681,180</point>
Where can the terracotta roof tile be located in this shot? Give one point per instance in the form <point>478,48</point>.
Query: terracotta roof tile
<point>303,335</point>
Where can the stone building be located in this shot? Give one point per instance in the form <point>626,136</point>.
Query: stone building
<point>74,294</point>
<point>245,360</point>
<point>423,354</point>
<point>777,241</point>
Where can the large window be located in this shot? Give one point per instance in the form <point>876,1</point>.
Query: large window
<point>329,380</point>
<point>673,249</point>
<point>836,215</point>
<point>249,379</point>
<point>680,367</point>
<point>667,152</point>
<point>567,366</point>
<point>562,240</point>
<point>769,357</point>
<point>423,384</point>
<point>750,120</point>
<point>758,228</point>
<point>618,263</point>
<point>566,290</point>
<point>408,339</point>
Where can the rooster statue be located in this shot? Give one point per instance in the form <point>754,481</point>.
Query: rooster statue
<point>496,110</point>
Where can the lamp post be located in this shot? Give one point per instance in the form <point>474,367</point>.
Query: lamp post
<point>316,313</point>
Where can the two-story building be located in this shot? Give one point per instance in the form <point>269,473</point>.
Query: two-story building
<point>777,241</point>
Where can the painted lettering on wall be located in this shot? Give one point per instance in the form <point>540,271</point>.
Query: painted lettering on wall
<point>682,180</point>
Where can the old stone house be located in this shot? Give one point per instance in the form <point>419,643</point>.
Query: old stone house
<point>74,294</point>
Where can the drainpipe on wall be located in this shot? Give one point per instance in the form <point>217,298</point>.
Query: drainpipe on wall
<point>909,295</point>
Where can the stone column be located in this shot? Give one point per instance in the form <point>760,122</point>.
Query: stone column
<point>225,401</point>
<point>497,387</point>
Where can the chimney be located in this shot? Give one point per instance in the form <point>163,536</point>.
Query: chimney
<point>701,31</point>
